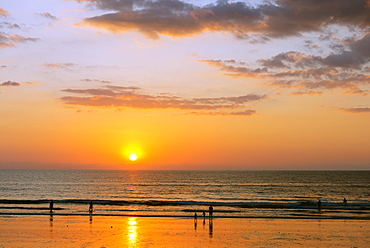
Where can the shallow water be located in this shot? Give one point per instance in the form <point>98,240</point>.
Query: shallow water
<point>276,194</point>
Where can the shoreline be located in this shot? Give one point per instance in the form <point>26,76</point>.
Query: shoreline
<point>187,216</point>
<point>133,231</point>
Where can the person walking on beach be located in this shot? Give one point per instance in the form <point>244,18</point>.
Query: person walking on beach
<point>319,205</point>
<point>210,212</point>
<point>91,207</point>
<point>51,206</point>
<point>344,200</point>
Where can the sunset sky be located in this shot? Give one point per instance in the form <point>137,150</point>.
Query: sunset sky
<point>185,84</point>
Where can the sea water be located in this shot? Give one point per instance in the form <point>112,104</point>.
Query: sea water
<point>238,194</point>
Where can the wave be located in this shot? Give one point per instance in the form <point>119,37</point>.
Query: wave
<point>264,204</point>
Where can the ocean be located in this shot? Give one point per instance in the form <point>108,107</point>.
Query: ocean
<point>233,194</point>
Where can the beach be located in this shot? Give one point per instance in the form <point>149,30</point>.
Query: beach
<point>126,231</point>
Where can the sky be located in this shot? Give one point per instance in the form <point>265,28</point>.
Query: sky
<point>185,84</point>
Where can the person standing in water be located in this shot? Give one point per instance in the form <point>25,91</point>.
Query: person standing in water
<point>91,207</point>
<point>51,206</point>
<point>210,212</point>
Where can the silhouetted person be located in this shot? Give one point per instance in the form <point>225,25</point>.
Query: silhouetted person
<point>204,214</point>
<point>319,205</point>
<point>195,221</point>
<point>210,211</point>
<point>51,206</point>
<point>91,207</point>
<point>344,200</point>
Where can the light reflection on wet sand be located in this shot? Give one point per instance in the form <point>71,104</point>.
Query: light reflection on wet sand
<point>132,231</point>
<point>59,231</point>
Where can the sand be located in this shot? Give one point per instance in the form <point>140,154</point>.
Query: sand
<point>98,231</point>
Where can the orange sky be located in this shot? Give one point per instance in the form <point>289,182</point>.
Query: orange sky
<point>207,87</point>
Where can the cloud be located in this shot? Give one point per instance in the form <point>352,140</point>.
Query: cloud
<point>356,110</point>
<point>96,80</point>
<point>10,83</point>
<point>132,97</point>
<point>46,15</point>
<point>355,57</point>
<point>9,25</point>
<point>3,12</point>
<point>311,93</point>
<point>32,83</point>
<point>58,65</point>
<point>279,18</point>
<point>247,112</point>
<point>345,70</point>
<point>10,40</point>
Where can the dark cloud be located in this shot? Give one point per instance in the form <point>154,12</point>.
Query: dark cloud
<point>279,18</point>
<point>362,46</point>
<point>46,15</point>
<point>132,97</point>
<point>10,83</point>
<point>357,110</point>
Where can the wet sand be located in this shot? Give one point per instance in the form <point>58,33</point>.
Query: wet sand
<point>98,231</point>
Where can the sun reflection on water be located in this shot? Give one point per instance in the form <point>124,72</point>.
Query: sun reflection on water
<point>132,231</point>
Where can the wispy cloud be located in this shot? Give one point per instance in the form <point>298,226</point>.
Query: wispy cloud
<point>356,110</point>
<point>96,80</point>
<point>310,93</point>
<point>279,18</point>
<point>47,15</point>
<point>58,65</point>
<point>132,97</point>
<point>10,40</point>
<point>9,25</point>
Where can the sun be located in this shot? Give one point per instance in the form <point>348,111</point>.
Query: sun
<point>133,157</point>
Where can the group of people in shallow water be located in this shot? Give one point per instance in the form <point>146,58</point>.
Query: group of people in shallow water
<point>210,214</point>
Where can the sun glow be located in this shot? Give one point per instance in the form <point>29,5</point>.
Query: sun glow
<point>133,157</point>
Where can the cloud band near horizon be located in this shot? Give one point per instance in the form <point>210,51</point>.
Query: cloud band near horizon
<point>131,97</point>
